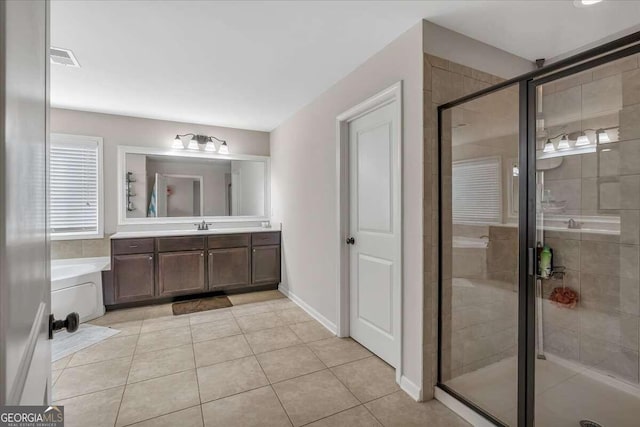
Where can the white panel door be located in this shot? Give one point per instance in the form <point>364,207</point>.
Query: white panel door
<point>374,223</point>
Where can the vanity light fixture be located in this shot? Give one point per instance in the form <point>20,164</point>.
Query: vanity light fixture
<point>549,147</point>
<point>564,142</point>
<point>224,148</point>
<point>582,140</point>
<point>199,142</point>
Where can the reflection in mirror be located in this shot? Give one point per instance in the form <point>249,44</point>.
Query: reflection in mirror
<point>172,186</point>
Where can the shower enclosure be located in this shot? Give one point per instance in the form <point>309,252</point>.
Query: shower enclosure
<point>539,301</point>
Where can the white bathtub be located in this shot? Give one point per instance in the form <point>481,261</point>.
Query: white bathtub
<point>76,285</point>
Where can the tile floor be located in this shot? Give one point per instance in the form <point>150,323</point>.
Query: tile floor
<point>263,363</point>
<point>564,396</point>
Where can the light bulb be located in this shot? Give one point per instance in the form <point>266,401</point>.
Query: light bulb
<point>224,148</point>
<point>582,140</point>
<point>548,147</point>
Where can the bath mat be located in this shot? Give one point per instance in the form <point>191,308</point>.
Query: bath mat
<point>64,343</point>
<point>203,304</point>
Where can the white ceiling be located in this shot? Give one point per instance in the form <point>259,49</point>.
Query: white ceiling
<point>249,64</point>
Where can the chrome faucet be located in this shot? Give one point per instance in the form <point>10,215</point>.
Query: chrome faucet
<point>572,224</point>
<point>203,225</point>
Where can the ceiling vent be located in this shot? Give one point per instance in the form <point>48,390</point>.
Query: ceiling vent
<point>63,57</point>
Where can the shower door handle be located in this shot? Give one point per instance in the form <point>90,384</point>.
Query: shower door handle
<point>532,261</point>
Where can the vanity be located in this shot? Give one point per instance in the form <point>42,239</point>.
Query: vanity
<point>149,268</point>
<point>155,257</point>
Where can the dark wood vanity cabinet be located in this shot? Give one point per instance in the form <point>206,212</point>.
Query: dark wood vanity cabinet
<point>181,273</point>
<point>133,277</point>
<point>185,265</point>
<point>265,264</point>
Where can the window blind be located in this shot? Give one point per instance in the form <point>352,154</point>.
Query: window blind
<point>74,168</point>
<point>477,191</point>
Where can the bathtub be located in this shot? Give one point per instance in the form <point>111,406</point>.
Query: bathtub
<point>76,285</point>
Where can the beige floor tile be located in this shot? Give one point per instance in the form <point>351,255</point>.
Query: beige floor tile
<point>98,409</point>
<point>255,408</point>
<point>161,310</point>
<point>61,363</point>
<point>255,308</point>
<point>289,363</point>
<point>160,363</point>
<point>336,351</point>
<point>55,374</point>
<point>213,330</point>
<point>91,378</point>
<point>159,396</point>
<point>399,410</point>
<point>221,350</point>
<point>162,323</point>
<point>283,304</point>
<point>120,316</point>
<point>105,350</point>
<point>293,315</point>
<point>159,340</point>
<point>252,297</point>
<point>354,417</point>
<point>210,316</point>
<point>227,378</point>
<point>272,339</point>
<point>257,322</point>
<point>314,396</point>
<point>127,328</point>
<point>191,417</point>
<point>367,379</point>
<point>311,331</point>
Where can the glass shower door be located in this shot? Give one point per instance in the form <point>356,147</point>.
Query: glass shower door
<point>587,181</point>
<point>480,235</point>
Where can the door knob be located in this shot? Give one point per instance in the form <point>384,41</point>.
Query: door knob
<point>351,241</point>
<point>70,323</point>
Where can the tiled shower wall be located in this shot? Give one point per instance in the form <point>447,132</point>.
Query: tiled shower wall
<point>603,331</point>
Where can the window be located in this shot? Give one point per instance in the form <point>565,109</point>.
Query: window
<point>75,187</point>
<point>477,191</point>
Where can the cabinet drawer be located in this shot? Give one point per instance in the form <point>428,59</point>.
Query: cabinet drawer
<point>263,239</point>
<point>131,246</point>
<point>228,241</point>
<point>173,244</point>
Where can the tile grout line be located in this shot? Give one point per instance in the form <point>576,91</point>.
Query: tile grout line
<point>195,367</point>
<point>115,422</point>
<point>269,382</point>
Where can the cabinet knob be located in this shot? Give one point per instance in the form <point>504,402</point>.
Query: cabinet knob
<point>150,257</point>
<point>201,253</point>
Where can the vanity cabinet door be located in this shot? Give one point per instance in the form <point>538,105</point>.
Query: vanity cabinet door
<point>228,268</point>
<point>265,265</point>
<point>133,277</point>
<point>181,273</point>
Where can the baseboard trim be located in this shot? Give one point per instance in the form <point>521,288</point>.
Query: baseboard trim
<point>411,388</point>
<point>462,410</point>
<point>310,310</point>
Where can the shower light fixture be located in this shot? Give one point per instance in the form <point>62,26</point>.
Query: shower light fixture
<point>199,142</point>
